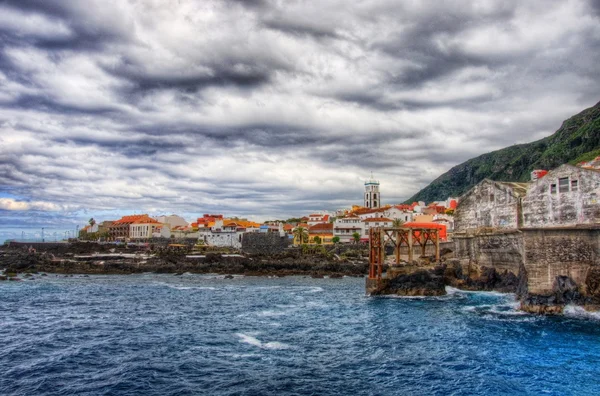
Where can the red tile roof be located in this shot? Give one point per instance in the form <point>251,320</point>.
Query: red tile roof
<point>323,227</point>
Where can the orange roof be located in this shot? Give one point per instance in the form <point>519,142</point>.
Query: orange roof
<point>146,220</point>
<point>241,223</point>
<point>288,227</point>
<point>131,219</point>
<point>378,219</point>
<point>321,227</point>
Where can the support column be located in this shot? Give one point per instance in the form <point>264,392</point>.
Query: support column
<point>437,246</point>
<point>410,245</point>
<point>397,247</point>
<point>423,242</point>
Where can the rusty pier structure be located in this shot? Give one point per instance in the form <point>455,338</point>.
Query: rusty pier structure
<point>409,237</point>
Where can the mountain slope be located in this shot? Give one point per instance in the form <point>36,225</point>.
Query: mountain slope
<point>577,139</point>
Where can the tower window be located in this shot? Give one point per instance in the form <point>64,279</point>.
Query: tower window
<point>552,188</point>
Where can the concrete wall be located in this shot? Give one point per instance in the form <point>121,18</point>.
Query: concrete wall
<point>544,253</point>
<point>489,204</point>
<point>546,206</point>
<point>264,243</point>
<point>559,252</point>
<point>503,251</point>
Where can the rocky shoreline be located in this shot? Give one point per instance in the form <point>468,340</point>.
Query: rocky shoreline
<point>421,278</point>
<point>432,281</point>
<point>88,258</point>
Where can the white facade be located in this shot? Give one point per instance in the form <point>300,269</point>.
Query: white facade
<point>372,195</point>
<point>346,227</point>
<point>376,222</point>
<point>397,214</point>
<point>142,230</point>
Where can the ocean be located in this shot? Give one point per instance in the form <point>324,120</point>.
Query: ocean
<point>206,335</point>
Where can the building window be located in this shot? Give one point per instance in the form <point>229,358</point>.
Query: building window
<point>552,188</point>
<point>574,185</point>
<point>563,185</point>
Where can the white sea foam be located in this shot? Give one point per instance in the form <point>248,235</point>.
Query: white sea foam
<point>453,290</point>
<point>251,340</point>
<point>574,311</point>
<point>270,313</point>
<point>181,287</point>
<point>315,289</point>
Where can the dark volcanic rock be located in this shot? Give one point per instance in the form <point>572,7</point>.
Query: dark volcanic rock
<point>418,283</point>
<point>564,291</point>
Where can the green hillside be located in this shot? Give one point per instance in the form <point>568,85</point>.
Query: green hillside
<point>578,139</point>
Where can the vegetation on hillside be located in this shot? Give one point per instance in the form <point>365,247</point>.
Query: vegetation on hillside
<point>578,139</point>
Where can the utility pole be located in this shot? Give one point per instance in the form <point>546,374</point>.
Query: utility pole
<point>43,239</point>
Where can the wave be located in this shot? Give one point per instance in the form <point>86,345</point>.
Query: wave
<point>251,340</point>
<point>574,311</point>
<point>453,290</point>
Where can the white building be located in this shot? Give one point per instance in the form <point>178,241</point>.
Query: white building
<point>376,222</point>
<point>397,214</point>
<point>372,195</point>
<point>143,228</point>
<point>227,235</point>
<point>346,227</point>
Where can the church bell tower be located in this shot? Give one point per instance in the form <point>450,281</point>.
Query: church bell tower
<point>372,195</point>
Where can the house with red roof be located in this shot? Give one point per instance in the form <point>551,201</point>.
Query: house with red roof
<point>317,218</point>
<point>119,229</point>
<point>143,228</point>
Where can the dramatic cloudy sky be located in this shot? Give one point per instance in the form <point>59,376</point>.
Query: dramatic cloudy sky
<point>270,108</point>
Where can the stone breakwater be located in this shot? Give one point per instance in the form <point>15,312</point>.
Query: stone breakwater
<point>547,269</point>
<point>98,259</point>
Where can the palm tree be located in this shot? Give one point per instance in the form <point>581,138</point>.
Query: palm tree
<point>300,235</point>
<point>92,222</point>
<point>397,223</point>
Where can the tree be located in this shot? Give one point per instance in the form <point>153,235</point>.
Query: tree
<point>397,223</point>
<point>92,221</point>
<point>356,237</point>
<point>317,240</point>
<point>335,239</point>
<point>300,235</point>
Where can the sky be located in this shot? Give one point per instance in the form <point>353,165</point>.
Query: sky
<point>270,109</point>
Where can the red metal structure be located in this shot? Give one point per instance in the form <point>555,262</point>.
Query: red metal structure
<point>379,237</point>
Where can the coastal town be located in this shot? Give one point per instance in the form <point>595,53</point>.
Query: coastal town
<point>566,196</point>
<point>346,226</point>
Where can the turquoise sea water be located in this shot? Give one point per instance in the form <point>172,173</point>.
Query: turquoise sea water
<point>191,334</point>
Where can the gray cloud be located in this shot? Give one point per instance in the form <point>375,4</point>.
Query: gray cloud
<point>267,109</point>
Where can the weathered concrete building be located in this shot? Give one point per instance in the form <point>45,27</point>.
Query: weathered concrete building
<point>490,204</point>
<point>566,196</point>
